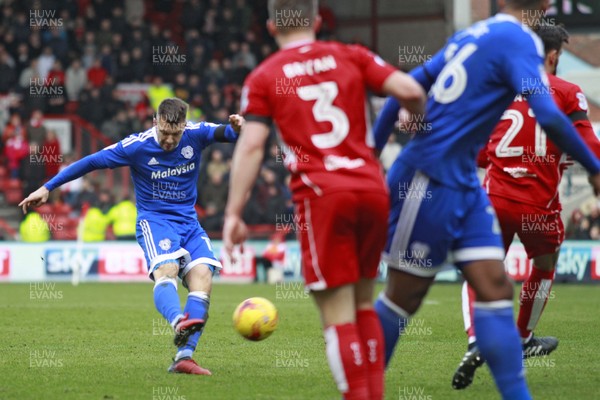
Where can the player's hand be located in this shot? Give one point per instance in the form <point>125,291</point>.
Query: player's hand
<point>235,232</point>
<point>35,199</point>
<point>595,182</point>
<point>409,122</point>
<point>236,121</point>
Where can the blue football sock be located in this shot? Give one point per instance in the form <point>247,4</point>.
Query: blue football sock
<point>393,321</point>
<point>197,307</point>
<point>500,346</point>
<point>166,299</point>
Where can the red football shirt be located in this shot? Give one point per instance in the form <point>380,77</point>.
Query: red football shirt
<point>316,94</point>
<point>521,163</point>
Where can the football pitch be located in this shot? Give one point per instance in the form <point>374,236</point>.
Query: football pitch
<point>106,341</point>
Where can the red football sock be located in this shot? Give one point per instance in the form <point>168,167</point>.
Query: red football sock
<point>371,337</point>
<point>533,299</point>
<point>347,361</point>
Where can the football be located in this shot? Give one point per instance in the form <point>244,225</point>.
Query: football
<point>255,318</point>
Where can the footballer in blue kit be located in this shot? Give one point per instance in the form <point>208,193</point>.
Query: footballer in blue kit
<point>439,210</point>
<point>164,163</point>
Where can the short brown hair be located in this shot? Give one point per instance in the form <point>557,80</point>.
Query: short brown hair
<point>173,111</point>
<point>524,4</point>
<point>288,15</point>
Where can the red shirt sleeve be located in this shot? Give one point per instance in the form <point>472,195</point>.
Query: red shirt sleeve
<point>576,108</point>
<point>482,158</point>
<point>255,98</point>
<point>374,70</point>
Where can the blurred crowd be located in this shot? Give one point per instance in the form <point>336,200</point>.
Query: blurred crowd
<point>584,225</point>
<point>69,57</point>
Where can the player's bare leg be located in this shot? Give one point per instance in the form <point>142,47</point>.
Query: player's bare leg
<point>187,334</point>
<point>402,297</point>
<point>343,345</point>
<point>533,298</point>
<point>497,336</point>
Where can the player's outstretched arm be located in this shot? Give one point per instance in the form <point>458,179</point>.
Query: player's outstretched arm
<point>406,90</point>
<point>236,121</point>
<point>109,157</point>
<point>561,131</point>
<point>227,133</point>
<point>35,199</point>
<point>247,159</point>
<point>384,124</point>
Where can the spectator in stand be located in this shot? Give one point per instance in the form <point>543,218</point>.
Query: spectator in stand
<point>56,39</point>
<point>94,225</point>
<point>275,206</point>
<point>36,131</point>
<point>71,192</point>
<point>8,76</point>
<point>9,42</point>
<point>595,232</point>
<point>573,224</point>
<point>15,150</point>
<point>32,168</point>
<point>215,190</point>
<point>159,91</point>
<point>245,57</point>
<point>181,87</point>
<point>107,60</point>
<point>104,36</point>
<point>29,74</point>
<point>134,124</point>
<point>22,59</point>
<point>97,74</point>
<point>56,99</point>
<point>75,80</point>
<point>116,127</point>
<point>89,49</point>
<point>242,15</point>
<point>213,73</point>
<point>192,15</point>
<point>56,75</point>
<point>118,21</point>
<point>217,164</point>
<point>134,10</point>
<point>35,43</point>
<point>51,155</point>
<point>123,218</point>
<point>15,125</point>
<point>198,59</point>
<point>273,258</point>
<point>328,19</point>
<point>34,229</point>
<point>213,218</point>
<point>112,102</point>
<point>582,231</point>
<point>275,160</point>
<point>91,106</point>
<point>45,62</point>
<point>139,64</point>
<point>125,71</point>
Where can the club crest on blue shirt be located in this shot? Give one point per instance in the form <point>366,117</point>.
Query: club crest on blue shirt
<point>187,152</point>
<point>165,244</point>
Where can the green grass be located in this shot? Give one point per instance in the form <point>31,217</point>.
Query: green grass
<point>106,341</point>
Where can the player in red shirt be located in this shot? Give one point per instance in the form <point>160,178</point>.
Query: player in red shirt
<point>315,92</point>
<point>523,172</point>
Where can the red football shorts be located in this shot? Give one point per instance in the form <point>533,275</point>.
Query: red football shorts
<point>341,235</point>
<point>540,230</point>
